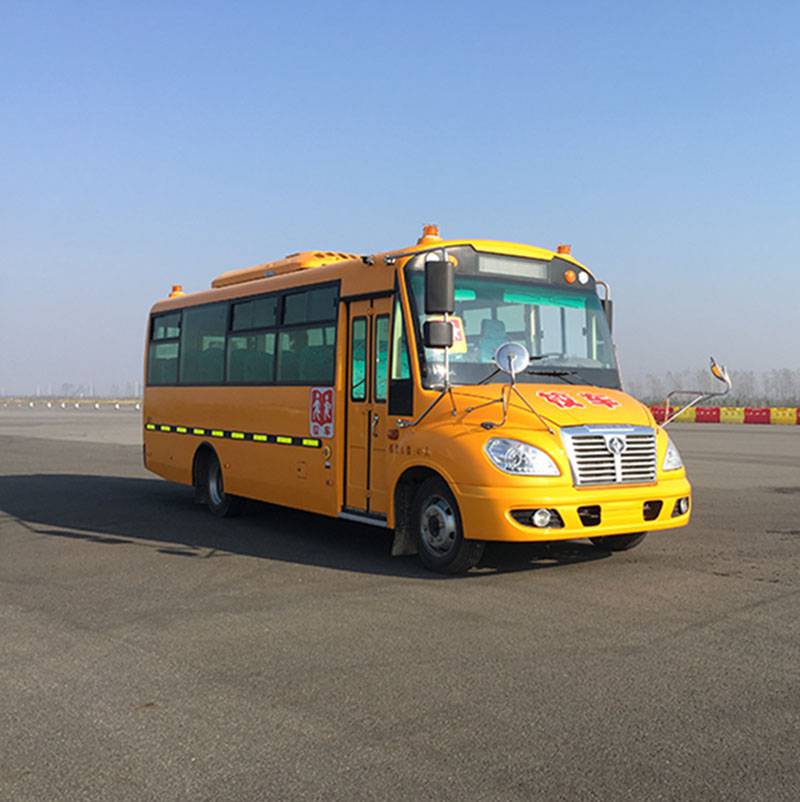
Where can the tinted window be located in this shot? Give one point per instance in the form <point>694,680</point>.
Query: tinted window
<point>251,358</point>
<point>203,344</point>
<point>358,360</point>
<point>310,306</point>
<point>166,327</point>
<point>400,366</point>
<point>381,356</point>
<point>260,313</point>
<point>162,366</point>
<point>306,355</point>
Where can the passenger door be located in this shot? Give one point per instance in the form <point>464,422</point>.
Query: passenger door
<point>367,393</point>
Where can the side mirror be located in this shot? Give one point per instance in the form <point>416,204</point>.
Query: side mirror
<point>608,308</point>
<point>512,358</point>
<point>440,291</point>
<point>438,334</point>
<point>718,372</point>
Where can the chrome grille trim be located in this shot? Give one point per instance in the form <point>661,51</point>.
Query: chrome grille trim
<point>593,463</point>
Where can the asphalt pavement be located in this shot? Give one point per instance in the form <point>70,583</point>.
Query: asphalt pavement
<point>149,651</point>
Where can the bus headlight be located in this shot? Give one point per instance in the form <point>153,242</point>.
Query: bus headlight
<point>672,459</point>
<point>520,459</point>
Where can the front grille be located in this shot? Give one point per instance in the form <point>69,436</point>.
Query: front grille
<point>607,455</point>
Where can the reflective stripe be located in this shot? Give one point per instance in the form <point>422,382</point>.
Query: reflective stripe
<point>282,439</point>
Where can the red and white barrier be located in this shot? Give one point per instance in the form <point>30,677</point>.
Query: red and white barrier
<point>784,416</point>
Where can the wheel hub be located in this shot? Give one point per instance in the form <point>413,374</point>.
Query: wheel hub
<point>438,525</point>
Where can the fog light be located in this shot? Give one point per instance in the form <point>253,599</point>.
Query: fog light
<point>541,518</point>
<point>681,507</point>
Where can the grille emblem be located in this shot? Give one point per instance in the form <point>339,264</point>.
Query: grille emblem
<point>616,445</point>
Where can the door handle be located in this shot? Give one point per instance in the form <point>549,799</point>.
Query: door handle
<point>374,423</point>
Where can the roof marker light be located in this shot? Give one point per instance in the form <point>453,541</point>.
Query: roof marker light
<point>562,247</point>
<point>430,233</point>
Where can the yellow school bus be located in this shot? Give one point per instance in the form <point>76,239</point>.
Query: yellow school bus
<point>455,392</point>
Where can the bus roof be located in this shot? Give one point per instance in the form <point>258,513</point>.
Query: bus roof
<point>263,277</point>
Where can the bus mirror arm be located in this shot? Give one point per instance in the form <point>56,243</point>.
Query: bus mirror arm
<point>447,390</point>
<point>607,303</point>
<point>718,372</point>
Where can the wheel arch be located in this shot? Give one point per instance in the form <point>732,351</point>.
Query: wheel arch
<point>403,494</point>
<point>203,453</point>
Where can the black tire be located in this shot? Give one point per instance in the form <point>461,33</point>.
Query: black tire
<point>619,542</point>
<point>436,523</point>
<point>220,503</point>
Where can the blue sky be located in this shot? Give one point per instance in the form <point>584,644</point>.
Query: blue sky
<point>149,143</point>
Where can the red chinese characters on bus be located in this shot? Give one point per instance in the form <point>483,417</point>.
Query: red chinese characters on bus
<point>561,400</point>
<point>601,400</point>
<point>321,412</point>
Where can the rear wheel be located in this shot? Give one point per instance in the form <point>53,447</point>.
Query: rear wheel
<point>221,504</point>
<point>437,524</point>
<point>618,542</point>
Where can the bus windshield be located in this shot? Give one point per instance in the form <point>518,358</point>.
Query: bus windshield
<point>564,328</point>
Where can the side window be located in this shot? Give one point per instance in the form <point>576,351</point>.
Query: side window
<point>381,356</point>
<point>260,313</point>
<point>162,357</point>
<point>400,363</point>
<point>167,327</point>
<point>251,358</point>
<point>310,306</point>
<point>306,355</point>
<point>401,390</point>
<point>162,365</point>
<point>358,360</point>
<point>202,356</point>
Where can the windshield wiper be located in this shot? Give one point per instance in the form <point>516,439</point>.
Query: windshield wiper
<point>490,376</point>
<point>561,374</point>
<point>558,373</point>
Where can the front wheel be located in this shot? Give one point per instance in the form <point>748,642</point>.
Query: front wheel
<point>618,542</point>
<point>221,504</point>
<point>437,523</point>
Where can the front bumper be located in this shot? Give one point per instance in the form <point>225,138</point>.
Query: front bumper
<point>486,511</point>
